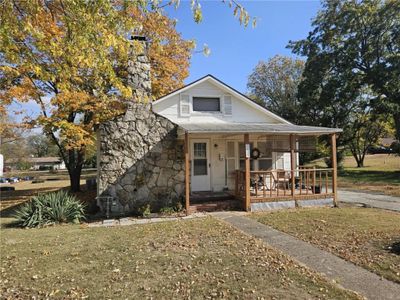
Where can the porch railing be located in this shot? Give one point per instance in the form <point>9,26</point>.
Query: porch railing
<point>272,185</point>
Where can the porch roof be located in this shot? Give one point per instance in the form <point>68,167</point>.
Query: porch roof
<point>266,128</point>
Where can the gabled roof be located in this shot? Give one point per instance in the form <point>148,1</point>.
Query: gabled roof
<point>228,89</point>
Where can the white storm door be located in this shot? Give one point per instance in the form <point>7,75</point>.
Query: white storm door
<point>200,180</point>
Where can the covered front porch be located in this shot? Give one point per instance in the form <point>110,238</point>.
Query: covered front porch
<point>257,164</point>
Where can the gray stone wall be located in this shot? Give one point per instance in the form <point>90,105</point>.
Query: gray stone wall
<point>141,161</point>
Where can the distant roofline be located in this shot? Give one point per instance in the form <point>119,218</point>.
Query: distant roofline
<point>47,159</point>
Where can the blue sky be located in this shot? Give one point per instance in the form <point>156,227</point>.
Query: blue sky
<point>236,50</point>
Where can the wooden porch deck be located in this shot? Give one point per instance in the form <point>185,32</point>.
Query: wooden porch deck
<point>298,195</point>
<point>283,185</point>
<point>276,185</point>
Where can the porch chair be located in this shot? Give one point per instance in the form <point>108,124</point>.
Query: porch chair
<point>281,178</point>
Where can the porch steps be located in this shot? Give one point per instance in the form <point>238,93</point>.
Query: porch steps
<point>202,197</point>
<point>210,206</point>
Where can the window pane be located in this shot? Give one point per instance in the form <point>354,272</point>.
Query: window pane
<point>279,161</point>
<point>231,149</point>
<point>231,166</point>
<point>242,164</point>
<point>242,151</point>
<point>262,146</point>
<point>206,104</point>
<point>200,150</point>
<point>265,151</point>
<point>200,167</point>
<point>264,164</point>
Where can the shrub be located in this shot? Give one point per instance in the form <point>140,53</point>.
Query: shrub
<point>339,158</point>
<point>167,210</point>
<point>145,211</point>
<point>51,208</point>
<point>174,208</point>
<point>178,206</point>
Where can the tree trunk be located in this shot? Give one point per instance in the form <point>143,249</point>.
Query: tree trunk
<point>75,179</point>
<point>75,165</point>
<point>396,117</point>
<point>360,163</point>
<point>358,157</point>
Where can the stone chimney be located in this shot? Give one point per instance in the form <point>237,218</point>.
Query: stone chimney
<point>139,70</point>
<point>139,157</point>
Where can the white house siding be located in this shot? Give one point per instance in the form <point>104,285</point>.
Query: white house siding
<point>241,111</point>
<point>217,164</point>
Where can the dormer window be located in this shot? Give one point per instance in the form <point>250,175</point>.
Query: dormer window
<point>206,104</point>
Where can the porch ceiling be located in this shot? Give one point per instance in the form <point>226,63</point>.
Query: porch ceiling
<point>265,128</point>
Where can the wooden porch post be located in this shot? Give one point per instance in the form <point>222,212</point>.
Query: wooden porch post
<point>187,173</point>
<point>247,174</point>
<point>334,167</point>
<point>292,164</point>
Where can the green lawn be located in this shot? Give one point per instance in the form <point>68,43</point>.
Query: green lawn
<point>387,182</point>
<point>381,173</point>
<point>367,237</point>
<point>201,258</point>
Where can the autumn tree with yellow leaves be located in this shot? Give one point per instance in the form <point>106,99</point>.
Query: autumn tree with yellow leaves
<point>69,57</point>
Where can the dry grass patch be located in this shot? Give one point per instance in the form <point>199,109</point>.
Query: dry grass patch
<point>367,237</point>
<point>201,258</point>
<point>24,190</point>
<point>375,162</point>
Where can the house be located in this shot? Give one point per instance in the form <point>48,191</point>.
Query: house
<point>206,138</point>
<point>37,163</point>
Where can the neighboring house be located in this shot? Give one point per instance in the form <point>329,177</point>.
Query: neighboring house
<point>387,142</point>
<point>205,137</point>
<point>37,163</point>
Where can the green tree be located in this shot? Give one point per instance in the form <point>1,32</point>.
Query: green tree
<point>354,44</point>
<point>364,132</point>
<point>366,125</point>
<point>274,84</point>
<point>40,145</point>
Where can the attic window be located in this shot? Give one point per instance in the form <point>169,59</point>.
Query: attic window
<point>206,104</point>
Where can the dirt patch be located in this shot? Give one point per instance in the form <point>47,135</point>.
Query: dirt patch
<point>25,190</point>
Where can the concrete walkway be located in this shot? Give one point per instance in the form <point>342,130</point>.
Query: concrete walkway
<point>370,199</point>
<point>137,221</point>
<point>344,273</point>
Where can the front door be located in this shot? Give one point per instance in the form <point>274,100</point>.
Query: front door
<point>200,180</point>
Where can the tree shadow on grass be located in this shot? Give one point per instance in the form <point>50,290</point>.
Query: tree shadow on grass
<point>395,248</point>
<point>11,200</point>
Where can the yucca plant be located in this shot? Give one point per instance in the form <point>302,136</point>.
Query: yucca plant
<point>30,214</point>
<point>51,208</point>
